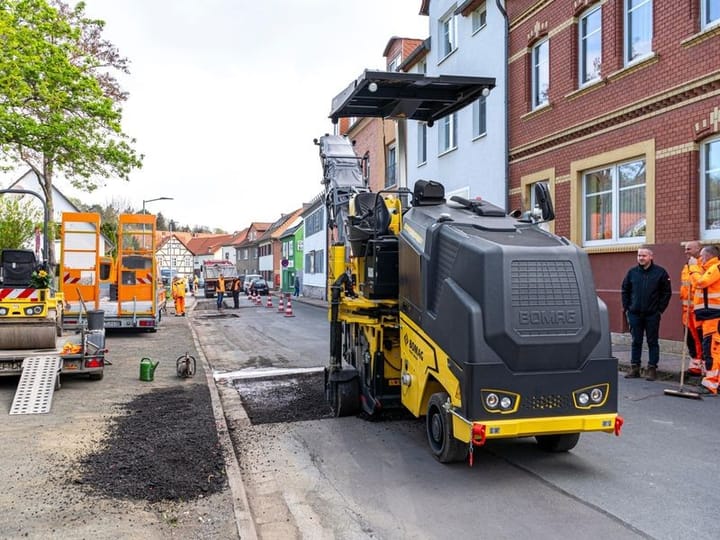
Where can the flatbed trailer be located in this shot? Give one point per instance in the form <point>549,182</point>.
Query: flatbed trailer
<point>82,352</point>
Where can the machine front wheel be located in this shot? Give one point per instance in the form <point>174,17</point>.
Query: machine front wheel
<point>444,446</point>
<point>347,398</point>
<point>557,443</point>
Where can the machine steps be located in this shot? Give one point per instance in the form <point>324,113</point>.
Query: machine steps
<point>37,383</point>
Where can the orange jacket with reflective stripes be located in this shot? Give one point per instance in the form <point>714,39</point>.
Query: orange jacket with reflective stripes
<point>687,296</point>
<point>707,290</point>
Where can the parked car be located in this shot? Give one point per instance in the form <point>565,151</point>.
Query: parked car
<point>248,281</point>
<point>260,286</point>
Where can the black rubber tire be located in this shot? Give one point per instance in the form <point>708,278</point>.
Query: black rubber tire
<point>438,423</point>
<point>557,443</point>
<point>96,376</point>
<point>58,384</point>
<point>347,398</point>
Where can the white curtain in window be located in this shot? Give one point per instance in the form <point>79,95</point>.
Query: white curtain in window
<point>638,29</point>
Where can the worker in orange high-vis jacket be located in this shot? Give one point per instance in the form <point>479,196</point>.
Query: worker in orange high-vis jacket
<point>693,332</point>
<point>707,309</point>
<point>178,293</point>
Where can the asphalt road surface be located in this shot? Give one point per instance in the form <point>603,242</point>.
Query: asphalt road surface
<point>350,478</point>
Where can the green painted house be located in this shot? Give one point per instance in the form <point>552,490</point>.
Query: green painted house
<point>291,245</point>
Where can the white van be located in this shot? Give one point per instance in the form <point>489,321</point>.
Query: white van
<point>248,280</point>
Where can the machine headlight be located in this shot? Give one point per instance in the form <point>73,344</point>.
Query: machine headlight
<point>29,310</point>
<point>591,396</point>
<point>499,401</point>
<point>38,310</point>
<point>491,400</point>
<point>3,311</point>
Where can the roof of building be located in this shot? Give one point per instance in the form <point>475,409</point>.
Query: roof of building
<point>276,230</point>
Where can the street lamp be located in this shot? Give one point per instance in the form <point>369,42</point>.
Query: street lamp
<point>143,211</point>
<point>157,199</point>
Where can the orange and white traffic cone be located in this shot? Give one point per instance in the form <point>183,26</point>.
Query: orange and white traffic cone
<point>288,308</point>
<point>269,301</point>
<point>281,307</point>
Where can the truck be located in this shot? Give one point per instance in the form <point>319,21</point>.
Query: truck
<point>126,287</point>
<point>480,321</point>
<point>212,269</point>
<point>32,342</point>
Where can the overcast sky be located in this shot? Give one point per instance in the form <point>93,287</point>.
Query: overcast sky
<point>226,97</point>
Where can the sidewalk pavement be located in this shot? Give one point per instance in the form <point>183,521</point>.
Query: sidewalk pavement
<point>670,351</point>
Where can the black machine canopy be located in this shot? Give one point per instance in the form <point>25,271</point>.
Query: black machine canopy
<point>414,96</point>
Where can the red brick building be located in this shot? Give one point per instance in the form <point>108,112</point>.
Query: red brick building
<point>616,104</point>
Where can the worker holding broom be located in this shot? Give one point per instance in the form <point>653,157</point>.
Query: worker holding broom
<point>706,280</point>
<point>692,328</point>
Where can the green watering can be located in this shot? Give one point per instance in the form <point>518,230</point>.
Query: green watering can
<point>147,369</point>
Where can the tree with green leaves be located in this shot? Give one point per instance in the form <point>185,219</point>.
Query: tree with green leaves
<point>18,221</point>
<point>59,98</point>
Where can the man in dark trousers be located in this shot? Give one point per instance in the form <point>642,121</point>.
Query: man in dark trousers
<point>236,293</point>
<point>645,295</point>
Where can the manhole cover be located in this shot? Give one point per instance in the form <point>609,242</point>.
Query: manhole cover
<point>284,399</point>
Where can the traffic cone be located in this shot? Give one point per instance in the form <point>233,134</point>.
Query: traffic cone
<point>288,308</point>
<point>281,307</point>
<point>269,301</point>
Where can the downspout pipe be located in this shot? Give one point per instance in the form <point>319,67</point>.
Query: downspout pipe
<point>502,11</point>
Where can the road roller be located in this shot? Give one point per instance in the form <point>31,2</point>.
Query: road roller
<point>31,314</point>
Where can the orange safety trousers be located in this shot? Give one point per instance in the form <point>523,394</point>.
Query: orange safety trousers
<point>712,377</point>
<point>179,305</point>
<point>697,365</point>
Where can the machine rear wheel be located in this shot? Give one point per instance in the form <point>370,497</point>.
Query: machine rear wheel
<point>557,443</point>
<point>347,398</point>
<point>443,445</point>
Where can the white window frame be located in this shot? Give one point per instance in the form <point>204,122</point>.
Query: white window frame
<point>394,63</point>
<point>709,233</point>
<point>479,19</point>
<point>391,154</point>
<point>479,114</point>
<point>422,138</point>
<point>706,22</point>
<point>447,134</point>
<point>583,38</point>
<point>447,32</point>
<point>614,191</point>
<point>628,30</point>
<point>540,69</point>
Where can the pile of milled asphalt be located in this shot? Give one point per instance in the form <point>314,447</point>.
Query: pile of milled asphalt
<point>164,448</point>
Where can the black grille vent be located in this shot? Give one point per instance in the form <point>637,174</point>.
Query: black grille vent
<point>544,283</point>
<point>446,260</point>
<point>546,403</point>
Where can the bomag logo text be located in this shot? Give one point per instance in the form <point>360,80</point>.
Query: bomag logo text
<point>548,317</point>
<point>415,349</point>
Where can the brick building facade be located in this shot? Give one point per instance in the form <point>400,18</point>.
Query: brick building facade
<point>616,104</point>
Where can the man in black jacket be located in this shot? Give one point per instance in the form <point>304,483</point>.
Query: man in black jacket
<point>645,295</point>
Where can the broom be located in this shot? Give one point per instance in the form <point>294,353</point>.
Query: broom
<point>681,392</point>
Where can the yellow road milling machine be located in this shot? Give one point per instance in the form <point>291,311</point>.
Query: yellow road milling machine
<point>482,322</point>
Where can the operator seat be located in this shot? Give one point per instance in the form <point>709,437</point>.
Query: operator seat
<point>371,220</point>
<point>17,267</point>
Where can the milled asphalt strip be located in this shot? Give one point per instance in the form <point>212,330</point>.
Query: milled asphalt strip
<point>243,516</point>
